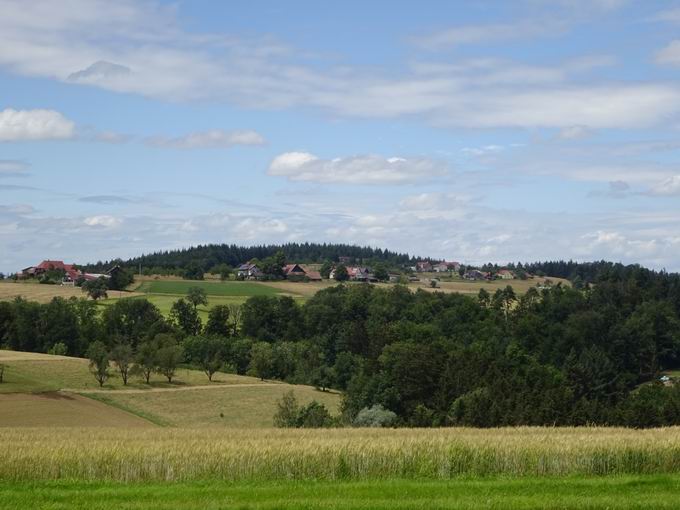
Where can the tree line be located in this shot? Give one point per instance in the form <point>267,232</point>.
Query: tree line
<point>559,356</point>
<point>206,257</point>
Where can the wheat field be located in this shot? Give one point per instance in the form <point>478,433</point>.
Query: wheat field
<point>339,454</point>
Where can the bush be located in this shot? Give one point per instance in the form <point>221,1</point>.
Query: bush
<point>58,349</point>
<point>290,415</point>
<point>314,415</point>
<point>376,416</point>
<point>287,412</point>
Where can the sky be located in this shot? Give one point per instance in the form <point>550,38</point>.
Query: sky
<point>475,131</point>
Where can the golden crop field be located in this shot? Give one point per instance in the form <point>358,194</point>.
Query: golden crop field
<point>336,454</point>
<point>37,292</point>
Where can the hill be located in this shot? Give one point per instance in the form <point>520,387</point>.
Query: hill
<point>47,390</point>
<point>210,255</point>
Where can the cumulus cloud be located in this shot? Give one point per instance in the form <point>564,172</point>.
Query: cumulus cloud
<point>303,166</point>
<point>17,125</point>
<point>215,138</point>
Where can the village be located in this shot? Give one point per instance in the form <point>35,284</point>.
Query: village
<point>58,272</point>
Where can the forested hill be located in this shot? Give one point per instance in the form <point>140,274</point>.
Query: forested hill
<point>603,271</point>
<point>211,255</point>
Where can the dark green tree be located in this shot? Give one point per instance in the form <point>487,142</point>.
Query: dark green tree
<point>208,352</point>
<point>218,322</point>
<point>197,296</point>
<point>185,316</point>
<point>341,274</point>
<point>96,289</point>
<point>99,362</point>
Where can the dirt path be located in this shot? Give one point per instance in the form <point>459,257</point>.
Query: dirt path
<point>160,390</point>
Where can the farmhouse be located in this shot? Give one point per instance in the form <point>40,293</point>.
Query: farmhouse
<point>444,266</point>
<point>505,274</point>
<point>70,272</point>
<point>357,274</point>
<point>474,274</point>
<point>296,272</point>
<point>248,271</point>
<point>423,266</point>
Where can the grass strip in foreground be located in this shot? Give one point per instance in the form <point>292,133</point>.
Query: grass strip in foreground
<point>631,492</point>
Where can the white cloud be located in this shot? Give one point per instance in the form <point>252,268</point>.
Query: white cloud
<point>100,71</point>
<point>140,48</point>
<point>302,166</point>
<point>670,54</point>
<point>482,151</point>
<point>668,16</point>
<point>481,34</point>
<point>667,188</point>
<point>102,221</point>
<point>574,132</point>
<point>16,125</point>
<point>13,168</point>
<point>215,138</point>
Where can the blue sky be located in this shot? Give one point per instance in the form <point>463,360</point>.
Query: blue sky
<point>472,131</point>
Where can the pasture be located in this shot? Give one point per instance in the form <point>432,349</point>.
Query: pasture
<point>211,288</point>
<point>57,382</point>
<point>233,406</point>
<point>56,409</point>
<point>32,372</point>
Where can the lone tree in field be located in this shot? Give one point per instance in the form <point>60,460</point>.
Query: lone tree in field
<point>145,360</point>
<point>123,356</point>
<point>168,356</point>
<point>197,296</point>
<point>96,289</point>
<point>99,362</point>
<point>208,352</point>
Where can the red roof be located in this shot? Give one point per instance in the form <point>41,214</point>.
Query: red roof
<point>291,268</point>
<point>71,271</point>
<point>54,264</point>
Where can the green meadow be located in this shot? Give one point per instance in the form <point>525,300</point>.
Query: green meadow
<point>613,493</point>
<point>227,288</point>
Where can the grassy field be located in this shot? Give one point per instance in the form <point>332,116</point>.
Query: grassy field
<point>40,389</point>
<point>32,372</point>
<point>248,455</point>
<point>37,292</point>
<point>212,288</point>
<point>235,406</point>
<point>164,302</point>
<point>56,409</point>
<point>612,493</point>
